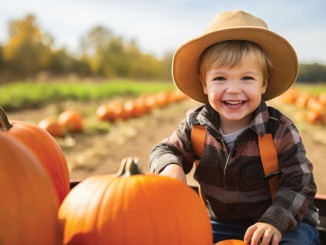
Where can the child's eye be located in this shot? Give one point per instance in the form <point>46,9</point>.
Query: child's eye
<point>247,78</point>
<point>219,79</point>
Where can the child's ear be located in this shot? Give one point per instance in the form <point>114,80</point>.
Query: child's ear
<point>203,83</point>
<point>264,88</point>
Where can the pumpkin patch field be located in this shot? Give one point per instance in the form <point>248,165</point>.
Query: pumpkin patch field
<point>99,142</point>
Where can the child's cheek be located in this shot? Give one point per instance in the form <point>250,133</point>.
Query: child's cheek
<point>213,97</point>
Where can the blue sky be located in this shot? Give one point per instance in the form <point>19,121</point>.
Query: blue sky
<point>162,25</point>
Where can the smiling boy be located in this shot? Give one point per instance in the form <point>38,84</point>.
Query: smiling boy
<point>233,68</point>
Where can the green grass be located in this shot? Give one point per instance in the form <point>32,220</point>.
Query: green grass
<point>29,94</point>
<point>314,89</point>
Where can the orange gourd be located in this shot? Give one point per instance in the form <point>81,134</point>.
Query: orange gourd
<point>112,112</point>
<point>71,120</point>
<point>52,126</point>
<point>135,108</point>
<point>136,209</point>
<point>28,206</point>
<point>45,148</point>
<point>314,117</point>
<point>322,98</point>
<point>103,113</point>
<point>163,98</point>
<point>231,242</point>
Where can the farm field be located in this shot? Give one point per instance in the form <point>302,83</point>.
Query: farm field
<point>100,148</point>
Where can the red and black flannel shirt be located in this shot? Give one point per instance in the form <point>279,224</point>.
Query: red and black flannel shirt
<point>233,181</point>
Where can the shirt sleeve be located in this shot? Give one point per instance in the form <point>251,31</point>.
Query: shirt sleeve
<point>176,148</point>
<point>297,186</point>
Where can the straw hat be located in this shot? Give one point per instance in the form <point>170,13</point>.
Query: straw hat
<point>235,25</point>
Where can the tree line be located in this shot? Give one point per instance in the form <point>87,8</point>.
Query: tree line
<point>29,52</point>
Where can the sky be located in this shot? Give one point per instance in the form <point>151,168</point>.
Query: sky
<point>160,26</point>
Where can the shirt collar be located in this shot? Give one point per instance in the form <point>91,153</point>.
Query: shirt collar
<point>209,117</point>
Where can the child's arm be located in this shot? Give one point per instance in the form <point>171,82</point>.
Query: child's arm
<point>174,171</point>
<point>294,199</point>
<point>174,156</point>
<point>263,233</point>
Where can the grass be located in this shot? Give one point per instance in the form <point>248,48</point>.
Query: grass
<point>29,94</point>
<point>314,89</point>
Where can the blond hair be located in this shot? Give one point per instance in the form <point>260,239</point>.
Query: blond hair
<point>232,53</point>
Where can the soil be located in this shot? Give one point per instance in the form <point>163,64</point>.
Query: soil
<point>100,148</point>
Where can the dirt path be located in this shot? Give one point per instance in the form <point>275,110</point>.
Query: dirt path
<point>100,151</point>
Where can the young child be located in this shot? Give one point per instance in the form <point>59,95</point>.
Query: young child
<point>233,68</point>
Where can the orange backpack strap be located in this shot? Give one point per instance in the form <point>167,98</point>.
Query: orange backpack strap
<point>269,160</point>
<point>267,152</point>
<point>198,138</point>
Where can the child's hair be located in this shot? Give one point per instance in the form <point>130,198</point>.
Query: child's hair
<point>232,53</point>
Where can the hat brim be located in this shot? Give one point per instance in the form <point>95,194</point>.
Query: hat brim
<point>185,64</point>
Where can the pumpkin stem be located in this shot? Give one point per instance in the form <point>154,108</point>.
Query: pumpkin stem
<point>4,122</point>
<point>129,166</point>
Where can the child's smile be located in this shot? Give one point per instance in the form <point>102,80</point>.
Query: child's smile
<point>234,104</point>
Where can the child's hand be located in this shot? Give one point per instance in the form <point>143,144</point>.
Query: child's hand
<point>174,171</point>
<point>262,233</point>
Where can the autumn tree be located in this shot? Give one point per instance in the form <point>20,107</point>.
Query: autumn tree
<point>93,47</point>
<point>28,50</point>
<point>62,63</point>
<point>312,73</point>
<point>1,58</point>
<point>112,56</point>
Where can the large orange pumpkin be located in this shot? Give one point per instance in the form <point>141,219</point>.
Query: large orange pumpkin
<point>45,148</point>
<point>29,205</point>
<point>134,209</point>
<point>231,242</point>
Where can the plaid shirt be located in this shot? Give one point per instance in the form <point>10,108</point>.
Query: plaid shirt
<point>233,181</point>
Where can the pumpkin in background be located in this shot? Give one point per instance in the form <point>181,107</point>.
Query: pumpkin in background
<point>290,96</point>
<point>53,127</point>
<point>163,98</point>
<point>103,112</point>
<point>134,209</point>
<point>29,205</point>
<point>151,102</point>
<point>314,117</point>
<point>135,107</point>
<point>178,96</point>
<point>111,112</point>
<point>71,120</point>
<point>231,242</point>
<point>322,98</point>
<point>315,105</point>
<point>45,148</point>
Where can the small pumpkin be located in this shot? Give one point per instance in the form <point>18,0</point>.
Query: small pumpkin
<point>53,127</point>
<point>103,112</point>
<point>134,209</point>
<point>314,117</point>
<point>163,98</point>
<point>135,107</point>
<point>231,242</point>
<point>322,98</point>
<point>45,148</point>
<point>29,205</point>
<point>72,120</point>
<point>112,112</point>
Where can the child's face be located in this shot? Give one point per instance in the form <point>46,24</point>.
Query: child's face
<point>235,92</point>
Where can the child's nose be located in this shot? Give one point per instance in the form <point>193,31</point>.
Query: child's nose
<point>233,87</point>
